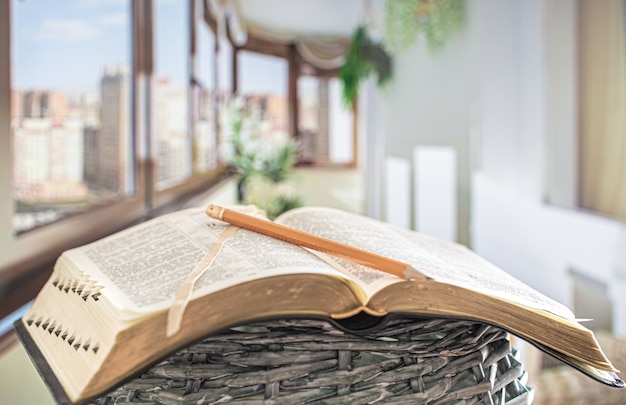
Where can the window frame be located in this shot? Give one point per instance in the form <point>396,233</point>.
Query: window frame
<point>197,180</point>
<point>296,64</point>
<point>332,74</point>
<point>26,259</point>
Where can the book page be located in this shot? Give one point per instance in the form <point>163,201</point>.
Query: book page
<point>352,230</point>
<point>141,268</point>
<point>440,260</point>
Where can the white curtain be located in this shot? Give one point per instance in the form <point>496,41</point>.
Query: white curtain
<point>323,53</point>
<point>602,96</point>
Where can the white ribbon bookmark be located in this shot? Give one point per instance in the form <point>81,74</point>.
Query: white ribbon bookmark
<point>183,295</point>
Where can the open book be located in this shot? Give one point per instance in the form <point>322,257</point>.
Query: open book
<point>102,316</point>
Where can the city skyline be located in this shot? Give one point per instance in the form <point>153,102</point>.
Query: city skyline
<point>101,121</point>
<point>71,106</point>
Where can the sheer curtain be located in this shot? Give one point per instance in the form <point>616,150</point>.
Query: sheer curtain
<point>602,92</point>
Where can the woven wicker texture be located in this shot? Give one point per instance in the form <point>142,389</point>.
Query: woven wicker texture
<point>309,361</point>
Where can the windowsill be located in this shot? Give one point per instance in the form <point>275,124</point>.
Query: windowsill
<point>327,166</point>
<point>22,279</point>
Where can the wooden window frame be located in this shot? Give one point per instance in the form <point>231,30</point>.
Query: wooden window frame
<point>27,259</point>
<point>288,52</point>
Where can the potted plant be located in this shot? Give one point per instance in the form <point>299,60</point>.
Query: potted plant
<point>264,161</point>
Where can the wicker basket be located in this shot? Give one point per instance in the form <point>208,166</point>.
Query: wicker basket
<point>431,361</point>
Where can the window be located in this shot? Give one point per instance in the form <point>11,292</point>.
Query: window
<point>225,67</point>
<point>325,125</point>
<point>96,124</point>
<point>205,133</point>
<point>263,84</point>
<point>602,119</point>
<point>70,115</point>
<point>109,112</point>
<point>296,99</point>
<point>170,91</point>
<point>586,121</point>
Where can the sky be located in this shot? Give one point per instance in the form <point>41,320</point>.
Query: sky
<point>64,45</point>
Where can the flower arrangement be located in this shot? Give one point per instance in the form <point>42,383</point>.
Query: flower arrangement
<point>264,160</point>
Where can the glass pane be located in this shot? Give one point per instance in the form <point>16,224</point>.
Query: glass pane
<point>325,125</point>
<point>340,126</point>
<point>70,107</point>
<point>205,137</point>
<point>263,84</point>
<point>225,67</point>
<point>225,92</point>
<point>171,92</point>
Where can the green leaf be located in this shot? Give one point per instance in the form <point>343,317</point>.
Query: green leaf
<point>364,58</point>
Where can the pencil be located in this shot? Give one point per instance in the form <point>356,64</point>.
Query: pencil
<point>284,233</point>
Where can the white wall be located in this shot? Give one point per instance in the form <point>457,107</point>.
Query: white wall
<point>527,102</point>
<point>504,94</point>
<point>335,188</point>
<point>428,102</point>
<point>510,48</point>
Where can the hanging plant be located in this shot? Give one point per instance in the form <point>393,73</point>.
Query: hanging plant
<point>436,20</point>
<point>364,58</point>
